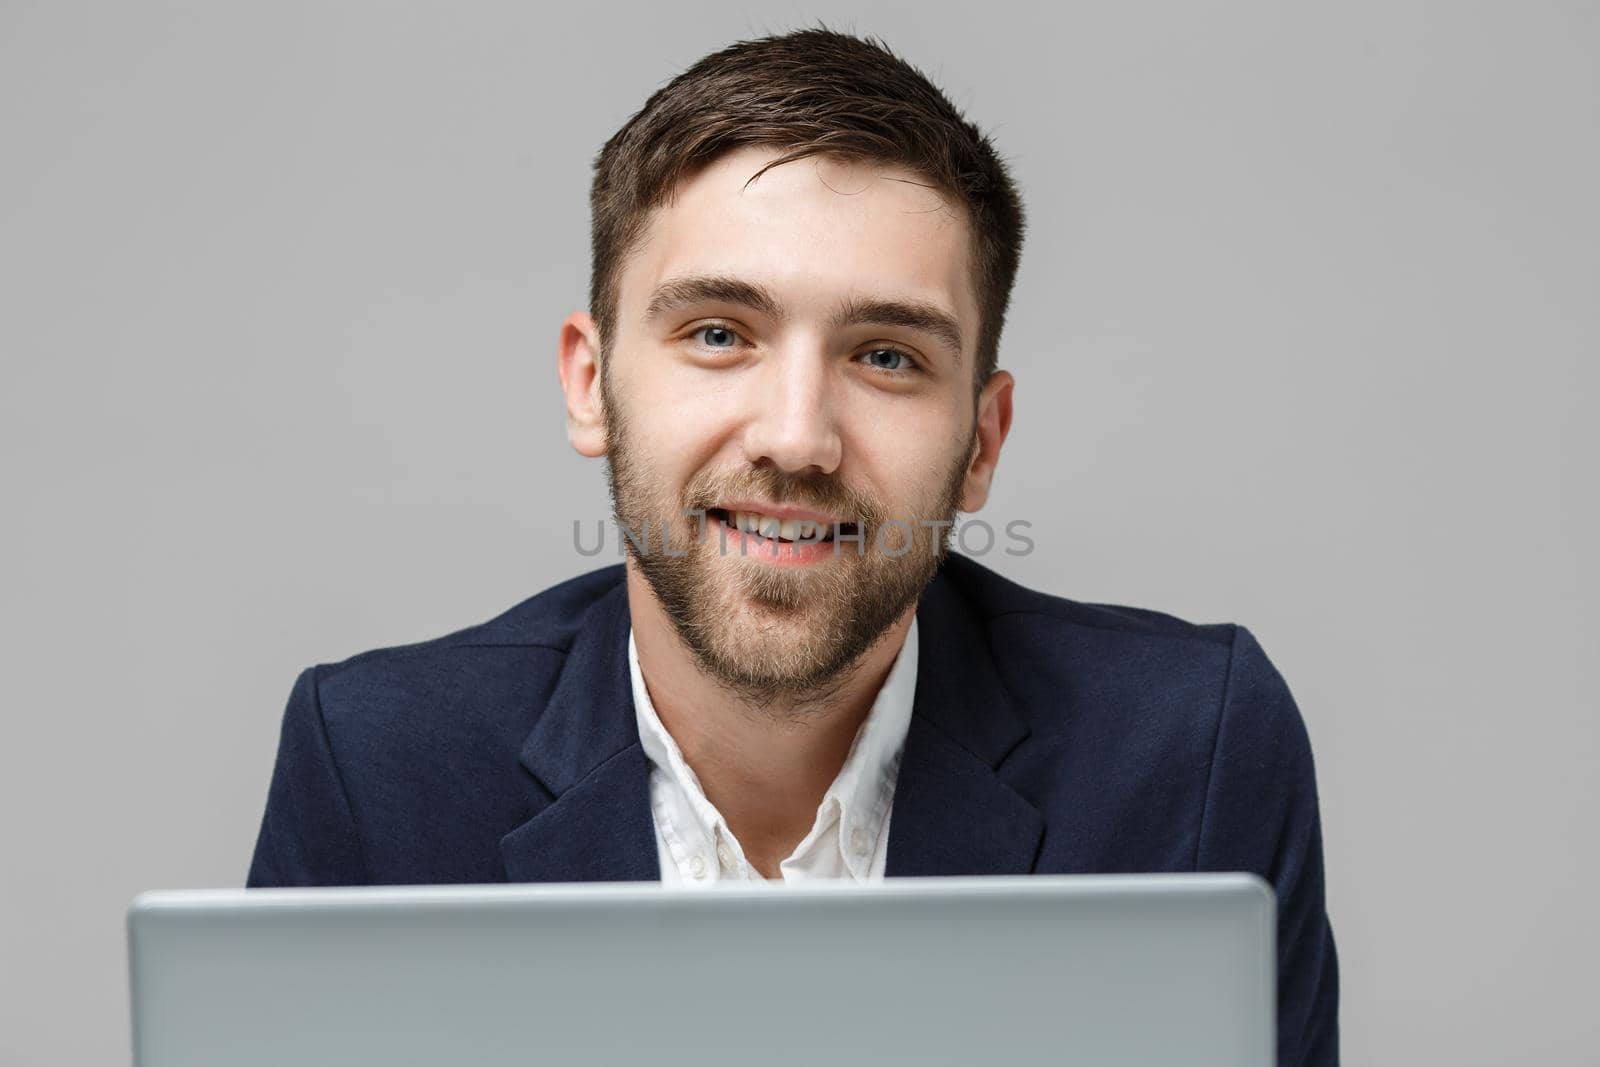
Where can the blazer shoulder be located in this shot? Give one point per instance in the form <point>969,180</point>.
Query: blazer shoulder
<point>995,597</point>
<point>487,682</point>
<point>391,759</point>
<point>1145,683</point>
<point>547,620</point>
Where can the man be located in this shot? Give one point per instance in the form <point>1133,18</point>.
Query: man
<point>802,260</point>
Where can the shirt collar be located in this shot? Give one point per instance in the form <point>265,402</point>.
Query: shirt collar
<point>863,790</point>
<point>864,787</point>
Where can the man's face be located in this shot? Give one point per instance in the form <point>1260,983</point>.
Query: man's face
<point>764,398</point>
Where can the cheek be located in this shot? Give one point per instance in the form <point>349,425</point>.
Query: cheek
<point>679,390</point>
<point>906,448</point>
<point>680,433</point>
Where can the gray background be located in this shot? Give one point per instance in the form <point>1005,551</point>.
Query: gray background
<point>1304,337</point>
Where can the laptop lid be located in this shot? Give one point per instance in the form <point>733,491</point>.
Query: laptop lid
<point>1145,969</point>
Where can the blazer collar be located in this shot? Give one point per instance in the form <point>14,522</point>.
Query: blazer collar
<point>952,813</point>
<point>592,823</point>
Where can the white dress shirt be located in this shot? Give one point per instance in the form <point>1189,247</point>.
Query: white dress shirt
<point>850,836</point>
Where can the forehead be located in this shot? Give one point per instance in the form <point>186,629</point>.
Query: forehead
<point>811,230</point>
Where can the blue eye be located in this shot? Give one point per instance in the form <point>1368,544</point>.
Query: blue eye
<point>888,360</point>
<point>896,360</point>
<point>714,329</point>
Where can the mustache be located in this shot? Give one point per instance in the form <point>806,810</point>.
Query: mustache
<point>808,489</point>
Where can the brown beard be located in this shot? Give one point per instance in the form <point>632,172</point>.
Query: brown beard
<point>830,614</point>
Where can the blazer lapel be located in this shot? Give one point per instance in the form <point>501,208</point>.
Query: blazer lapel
<point>952,814</point>
<point>592,820</point>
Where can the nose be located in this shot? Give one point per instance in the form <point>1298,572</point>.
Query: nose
<point>794,422</point>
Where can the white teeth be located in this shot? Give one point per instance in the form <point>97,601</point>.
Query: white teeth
<point>771,527</point>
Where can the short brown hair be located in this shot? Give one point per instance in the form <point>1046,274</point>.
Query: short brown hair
<point>812,91</point>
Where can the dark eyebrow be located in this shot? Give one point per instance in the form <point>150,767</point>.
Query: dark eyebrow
<point>855,311</point>
<point>909,314</point>
<point>675,293</point>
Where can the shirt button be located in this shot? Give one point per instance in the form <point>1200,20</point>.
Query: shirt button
<point>858,841</point>
<point>697,865</point>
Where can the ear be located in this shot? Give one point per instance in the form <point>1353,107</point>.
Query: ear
<point>994,422</point>
<point>578,364</point>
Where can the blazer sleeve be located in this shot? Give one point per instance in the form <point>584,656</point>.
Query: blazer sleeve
<point>308,834</point>
<point>1261,816</point>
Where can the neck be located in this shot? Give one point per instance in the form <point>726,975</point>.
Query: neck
<point>765,766</point>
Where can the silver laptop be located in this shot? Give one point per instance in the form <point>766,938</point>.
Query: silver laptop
<point>1083,969</point>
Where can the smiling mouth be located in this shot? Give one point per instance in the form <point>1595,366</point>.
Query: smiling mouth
<point>787,531</point>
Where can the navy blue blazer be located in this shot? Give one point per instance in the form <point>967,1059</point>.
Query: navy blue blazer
<point>1047,736</point>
